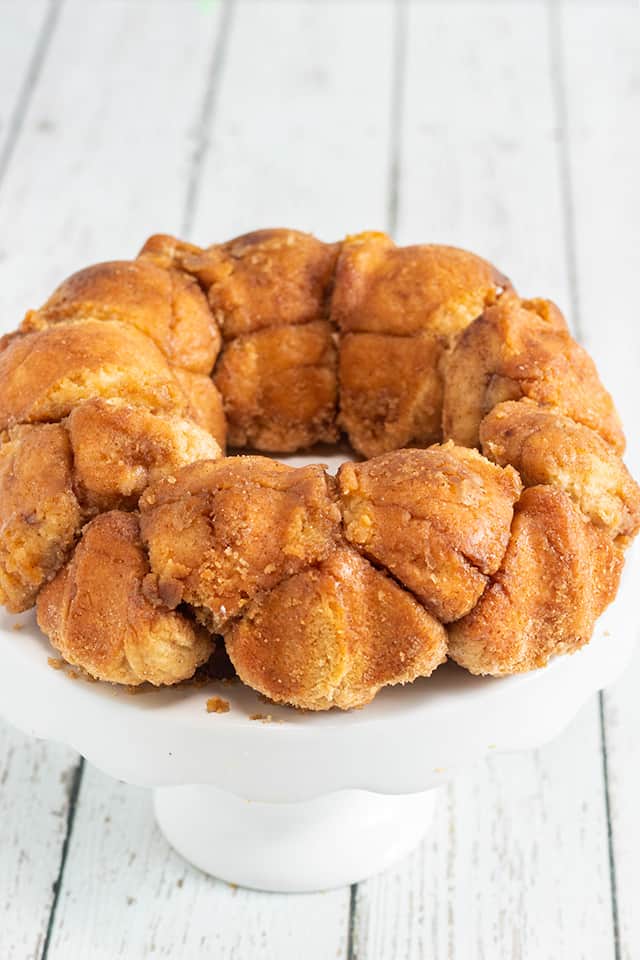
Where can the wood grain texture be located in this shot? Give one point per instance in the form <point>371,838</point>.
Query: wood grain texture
<point>518,863</point>
<point>206,914</point>
<point>516,866</point>
<point>35,782</point>
<point>302,121</point>
<point>106,150</point>
<point>506,127</point>
<point>601,73</point>
<point>35,778</point>
<point>479,162</point>
<point>87,885</point>
<point>24,39</point>
<point>128,895</point>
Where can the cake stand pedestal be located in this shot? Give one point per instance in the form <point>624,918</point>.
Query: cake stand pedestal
<point>298,801</point>
<point>333,840</point>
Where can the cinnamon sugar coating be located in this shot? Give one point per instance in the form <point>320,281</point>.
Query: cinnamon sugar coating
<point>203,404</point>
<point>558,574</point>
<point>40,516</point>
<point>522,348</point>
<point>390,390</point>
<point>400,310</point>
<point>96,613</point>
<point>268,292</point>
<point>54,477</point>
<point>166,305</point>
<point>44,374</point>
<point>548,448</point>
<point>139,541</point>
<point>438,519</point>
<point>220,532</point>
<point>333,635</point>
<point>119,450</point>
<point>280,387</point>
<point>268,278</point>
<point>167,251</point>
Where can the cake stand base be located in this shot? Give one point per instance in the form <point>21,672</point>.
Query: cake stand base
<point>328,842</point>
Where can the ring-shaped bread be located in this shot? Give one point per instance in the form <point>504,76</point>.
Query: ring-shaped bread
<point>488,525</point>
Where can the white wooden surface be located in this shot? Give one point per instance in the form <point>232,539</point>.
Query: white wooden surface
<point>507,126</point>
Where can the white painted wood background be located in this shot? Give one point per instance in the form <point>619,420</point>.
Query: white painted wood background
<point>506,126</point>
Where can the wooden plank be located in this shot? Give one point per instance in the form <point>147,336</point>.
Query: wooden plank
<point>301,137</point>
<point>62,125</point>
<point>120,866</point>
<point>490,813</point>
<point>107,144</point>
<point>493,875</point>
<point>479,163</point>
<point>204,913</point>
<point>35,783</point>
<point>35,778</point>
<point>601,73</point>
<point>23,42</point>
<point>603,96</point>
<point>517,864</point>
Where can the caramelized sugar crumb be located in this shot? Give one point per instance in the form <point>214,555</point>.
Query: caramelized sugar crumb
<point>217,705</point>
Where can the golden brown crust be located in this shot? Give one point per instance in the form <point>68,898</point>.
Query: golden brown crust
<point>204,404</point>
<point>96,614</point>
<point>522,348</point>
<point>40,516</point>
<point>400,309</point>
<point>166,305</point>
<point>549,448</point>
<point>437,519</point>
<point>381,288</point>
<point>558,574</point>
<point>106,391</point>
<point>268,278</point>
<point>55,476</point>
<point>280,387</point>
<point>119,450</point>
<point>44,374</point>
<point>168,251</point>
<point>220,532</point>
<point>333,635</point>
<point>390,391</point>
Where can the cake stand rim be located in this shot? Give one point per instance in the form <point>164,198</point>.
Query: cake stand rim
<point>408,740</point>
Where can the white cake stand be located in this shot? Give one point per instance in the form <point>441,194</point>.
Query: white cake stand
<point>305,801</point>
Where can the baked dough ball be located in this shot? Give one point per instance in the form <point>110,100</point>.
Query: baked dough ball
<point>44,374</point>
<point>558,574</point>
<point>167,251</point>
<point>390,390</point>
<point>269,293</point>
<point>166,305</point>
<point>333,635</point>
<point>53,477</point>
<point>204,403</point>
<point>40,516</point>
<point>547,447</point>
<point>268,278</point>
<point>220,532</point>
<point>522,348</point>
<point>118,450</point>
<point>399,310</point>
<point>119,517</point>
<point>96,614</point>
<point>279,387</point>
<point>437,519</point>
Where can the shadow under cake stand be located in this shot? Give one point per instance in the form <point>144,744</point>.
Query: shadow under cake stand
<point>302,801</point>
